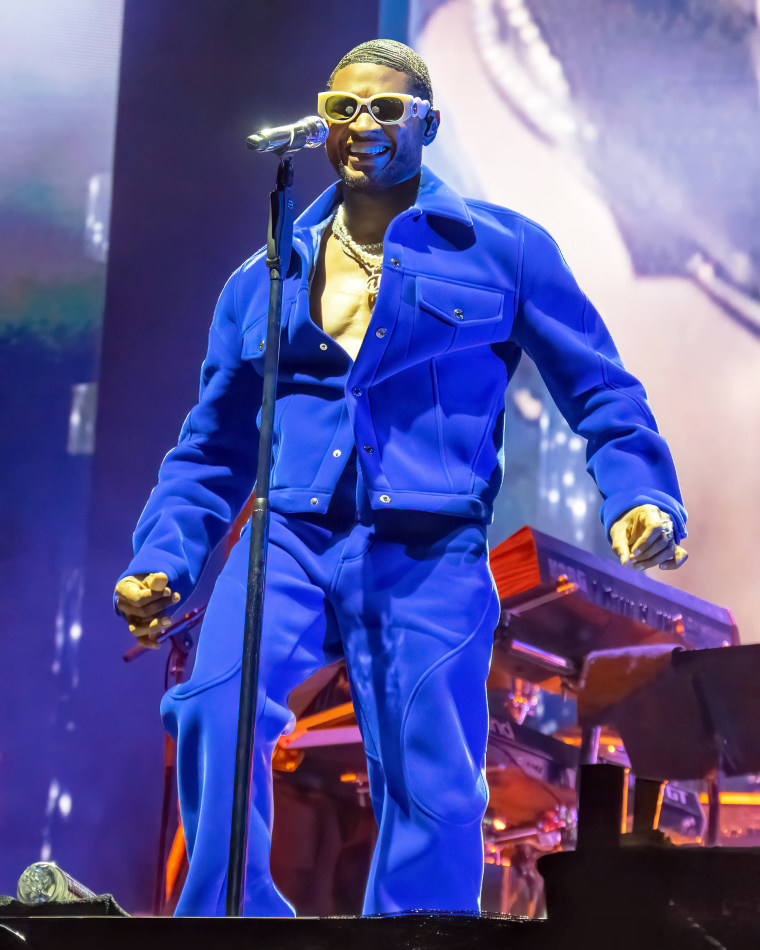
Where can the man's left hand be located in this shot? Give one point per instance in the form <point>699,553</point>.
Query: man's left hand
<point>643,538</point>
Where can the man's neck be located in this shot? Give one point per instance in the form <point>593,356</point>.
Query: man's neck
<point>368,213</point>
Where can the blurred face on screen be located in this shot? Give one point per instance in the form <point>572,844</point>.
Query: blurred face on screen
<point>366,154</point>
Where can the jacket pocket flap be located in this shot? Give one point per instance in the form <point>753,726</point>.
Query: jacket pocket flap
<point>255,327</point>
<point>254,340</point>
<point>459,304</point>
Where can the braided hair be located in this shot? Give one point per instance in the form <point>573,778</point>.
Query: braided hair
<point>394,55</point>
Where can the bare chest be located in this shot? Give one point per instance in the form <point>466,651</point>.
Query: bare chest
<point>339,301</point>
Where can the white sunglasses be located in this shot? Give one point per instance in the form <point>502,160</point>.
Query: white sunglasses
<point>385,108</point>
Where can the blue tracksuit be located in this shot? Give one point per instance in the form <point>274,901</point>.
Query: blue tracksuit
<point>385,471</point>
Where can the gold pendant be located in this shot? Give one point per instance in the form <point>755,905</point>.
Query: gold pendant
<point>373,284</point>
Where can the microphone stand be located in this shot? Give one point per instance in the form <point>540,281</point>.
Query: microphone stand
<point>279,249</point>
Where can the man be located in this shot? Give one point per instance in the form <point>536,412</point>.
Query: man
<point>405,313</point>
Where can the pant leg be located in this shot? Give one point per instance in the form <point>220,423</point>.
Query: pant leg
<point>417,609</point>
<point>298,637</point>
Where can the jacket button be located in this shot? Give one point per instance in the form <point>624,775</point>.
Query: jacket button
<point>356,391</point>
<point>369,448</point>
<point>459,314</point>
<point>261,345</point>
<point>323,346</point>
<point>337,453</point>
<point>385,499</point>
<point>314,501</point>
<point>380,332</point>
<point>396,262</point>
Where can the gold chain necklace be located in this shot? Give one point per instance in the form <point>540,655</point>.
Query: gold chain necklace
<point>372,263</point>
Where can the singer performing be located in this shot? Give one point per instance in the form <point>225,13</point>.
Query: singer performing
<point>405,314</point>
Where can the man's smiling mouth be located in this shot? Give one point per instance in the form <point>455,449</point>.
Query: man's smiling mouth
<point>361,149</point>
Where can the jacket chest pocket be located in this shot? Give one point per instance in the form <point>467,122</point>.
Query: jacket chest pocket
<point>255,327</point>
<point>474,314</point>
<point>254,341</point>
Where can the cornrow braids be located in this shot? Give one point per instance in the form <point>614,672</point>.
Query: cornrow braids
<point>394,55</point>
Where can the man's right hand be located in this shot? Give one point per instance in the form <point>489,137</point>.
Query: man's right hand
<point>143,600</point>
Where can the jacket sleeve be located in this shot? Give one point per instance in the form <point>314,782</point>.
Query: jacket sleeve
<point>560,330</point>
<point>206,478</point>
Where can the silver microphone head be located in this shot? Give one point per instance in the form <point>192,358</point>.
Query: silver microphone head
<point>310,132</point>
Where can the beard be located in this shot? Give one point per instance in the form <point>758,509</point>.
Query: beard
<point>353,179</point>
<point>403,164</point>
<point>361,181</point>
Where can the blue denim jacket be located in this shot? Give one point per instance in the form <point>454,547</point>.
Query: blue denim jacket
<point>466,287</point>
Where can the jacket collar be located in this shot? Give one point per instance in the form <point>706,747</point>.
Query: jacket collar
<point>434,197</point>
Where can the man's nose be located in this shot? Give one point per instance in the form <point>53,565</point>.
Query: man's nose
<point>363,121</point>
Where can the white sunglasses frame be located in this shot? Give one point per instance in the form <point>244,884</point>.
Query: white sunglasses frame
<point>413,106</point>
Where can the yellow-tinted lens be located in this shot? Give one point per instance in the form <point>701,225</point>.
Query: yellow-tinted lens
<point>341,107</point>
<point>387,108</point>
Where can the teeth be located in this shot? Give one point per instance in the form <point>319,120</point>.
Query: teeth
<point>367,149</point>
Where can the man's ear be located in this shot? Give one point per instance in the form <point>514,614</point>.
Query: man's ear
<point>432,121</point>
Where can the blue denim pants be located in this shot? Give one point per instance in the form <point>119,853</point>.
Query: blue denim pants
<point>408,599</point>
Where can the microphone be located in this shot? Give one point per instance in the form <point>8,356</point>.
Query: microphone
<point>306,133</point>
